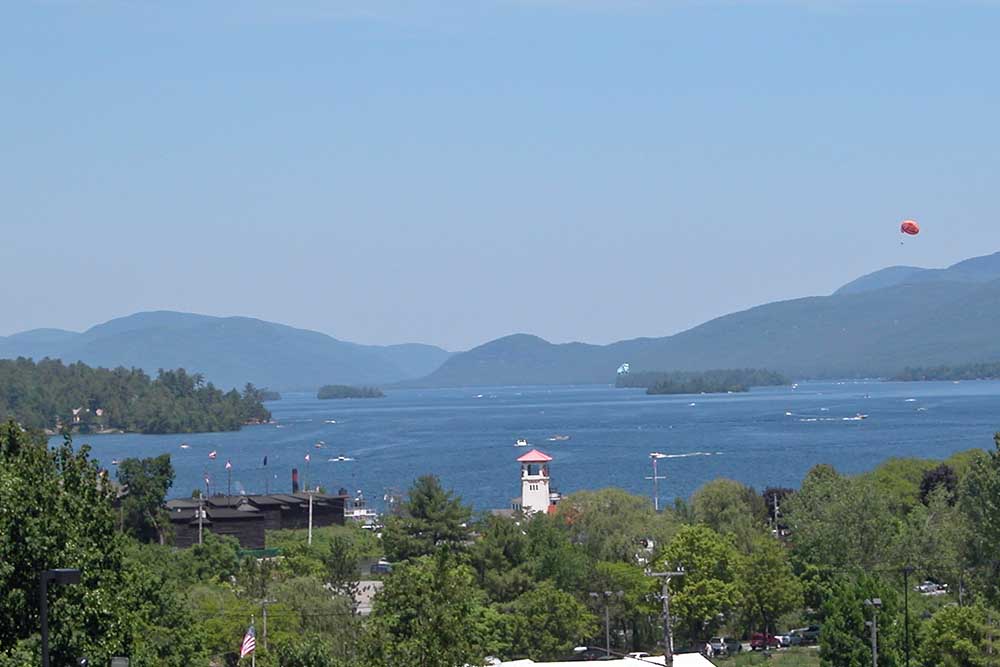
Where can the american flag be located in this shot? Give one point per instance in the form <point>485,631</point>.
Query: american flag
<point>249,642</point>
<point>229,464</point>
<point>212,454</point>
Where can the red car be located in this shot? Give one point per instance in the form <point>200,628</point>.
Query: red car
<point>760,641</point>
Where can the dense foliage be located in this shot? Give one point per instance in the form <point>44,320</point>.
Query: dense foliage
<point>345,391</point>
<point>51,395</point>
<point>706,382</point>
<point>269,395</point>
<point>986,371</point>
<point>463,586</point>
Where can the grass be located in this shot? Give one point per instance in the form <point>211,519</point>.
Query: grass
<point>793,657</point>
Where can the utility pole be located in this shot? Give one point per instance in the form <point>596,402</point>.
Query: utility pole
<point>607,616</point>
<point>310,540</point>
<point>201,514</point>
<point>654,457</point>
<point>668,638</point>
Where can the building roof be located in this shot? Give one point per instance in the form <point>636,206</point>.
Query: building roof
<point>534,456</point>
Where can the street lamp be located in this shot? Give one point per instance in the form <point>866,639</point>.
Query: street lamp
<point>607,616</point>
<point>64,576</point>
<point>875,604</point>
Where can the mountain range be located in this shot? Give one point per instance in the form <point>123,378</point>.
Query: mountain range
<point>876,325</point>
<point>228,351</point>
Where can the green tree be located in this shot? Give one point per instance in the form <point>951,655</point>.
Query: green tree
<point>979,500</point>
<point>146,482</point>
<point>341,563</point>
<point>730,508</point>
<point>710,587</point>
<point>309,650</point>
<point>845,639</point>
<point>431,613</point>
<point>500,557</point>
<point>840,522</point>
<point>955,637</point>
<point>546,623</point>
<point>610,524</point>
<point>431,517</point>
<point>768,585</point>
<point>56,512</point>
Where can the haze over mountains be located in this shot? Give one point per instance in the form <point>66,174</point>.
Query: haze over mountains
<point>229,351</point>
<point>873,326</point>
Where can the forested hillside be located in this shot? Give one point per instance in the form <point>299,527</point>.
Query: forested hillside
<point>875,328</point>
<point>51,395</point>
<point>230,350</point>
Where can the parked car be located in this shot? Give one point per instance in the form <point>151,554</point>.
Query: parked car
<point>381,567</point>
<point>808,635</point>
<point>788,639</point>
<point>725,645</point>
<point>760,641</point>
<point>638,655</point>
<point>932,588</point>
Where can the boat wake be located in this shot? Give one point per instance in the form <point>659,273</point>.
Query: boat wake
<point>689,454</point>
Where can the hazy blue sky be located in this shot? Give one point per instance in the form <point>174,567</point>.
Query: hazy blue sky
<point>450,172</point>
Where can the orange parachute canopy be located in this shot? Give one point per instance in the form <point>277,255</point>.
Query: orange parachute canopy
<point>910,227</point>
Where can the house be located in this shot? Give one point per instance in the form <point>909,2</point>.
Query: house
<point>247,518</point>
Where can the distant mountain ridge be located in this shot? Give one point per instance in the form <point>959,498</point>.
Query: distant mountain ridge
<point>229,351</point>
<point>869,327</point>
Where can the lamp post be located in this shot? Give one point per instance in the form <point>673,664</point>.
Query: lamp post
<point>875,604</point>
<point>607,616</point>
<point>64,576</point>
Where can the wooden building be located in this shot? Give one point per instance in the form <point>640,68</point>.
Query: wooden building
<point>248,517</point>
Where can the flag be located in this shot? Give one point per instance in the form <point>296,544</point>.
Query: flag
<point>229,464</point>
<point>212,454</point>
<point>265,461</point>
<point>307,458</point>
<point>249,642</point>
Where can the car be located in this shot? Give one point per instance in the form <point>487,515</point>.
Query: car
<point>808,635</point>
<point>760,641</point>
<point>932,588</point>
<point>725,645</point>
<point>381,567</point>
<point>638,655</point>
<point>788,639</point>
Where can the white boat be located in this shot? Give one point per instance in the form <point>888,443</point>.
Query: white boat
<point>559,438</point>
<point>521,442</point>
<point>340,459</point>
<point>357,510</point>
<point>184,445</point>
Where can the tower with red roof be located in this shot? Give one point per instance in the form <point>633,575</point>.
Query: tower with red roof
<point>535,493</point>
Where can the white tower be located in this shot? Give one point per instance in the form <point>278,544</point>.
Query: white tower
<point>535,495</point>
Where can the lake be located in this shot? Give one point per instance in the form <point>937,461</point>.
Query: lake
<point>767,437</point>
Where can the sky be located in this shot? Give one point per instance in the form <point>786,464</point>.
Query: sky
<point>451,172</point>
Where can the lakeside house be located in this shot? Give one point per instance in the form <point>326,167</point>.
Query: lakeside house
<point>248,517</point>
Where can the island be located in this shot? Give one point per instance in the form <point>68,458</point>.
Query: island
<point>705,382</point>
<point>331,391</point>
<point>982,371</point>
<point>51,396</point>
<point>269,395</point>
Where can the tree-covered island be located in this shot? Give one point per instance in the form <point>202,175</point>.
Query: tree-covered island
<point>53,396</point>
<point>984,371</point>
<point>331,391</point>
<point>706,382</point>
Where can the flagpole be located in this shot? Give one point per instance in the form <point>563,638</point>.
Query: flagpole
<point>229,481</point>
<point>253,654</point>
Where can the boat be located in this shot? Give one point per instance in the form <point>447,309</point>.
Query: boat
<point>559,438</point>
<point>521,442</point>
<point>184,445</point>
<point>340,459</point>
<point>357,510</point>
<point>114,462</point>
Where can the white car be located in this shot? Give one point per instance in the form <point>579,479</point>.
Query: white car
<point>638,655</point>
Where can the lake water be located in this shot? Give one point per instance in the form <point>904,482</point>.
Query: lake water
<point>466,437</point>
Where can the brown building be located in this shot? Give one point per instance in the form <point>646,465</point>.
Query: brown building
<point>247,517</point>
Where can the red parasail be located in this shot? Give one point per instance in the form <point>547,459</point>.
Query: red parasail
<point>910,227</point>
